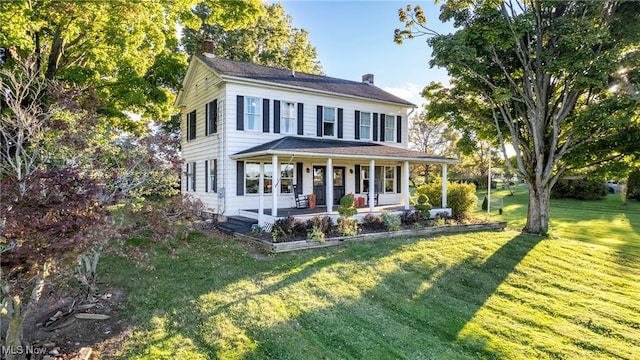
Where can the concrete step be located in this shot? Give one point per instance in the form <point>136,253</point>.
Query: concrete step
<point>236,224</point>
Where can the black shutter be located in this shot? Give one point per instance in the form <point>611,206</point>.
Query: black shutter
<point>206,119</point>
<point>240,178</point>
<point>265,115</point>
<point>193,178</point>
<point>340,122</point>
<point>276,116</point>
<point>240,112</point>
<point>383,121</point>
<point>357,126</point>
<point>399,129</point>
<point>206,174</point>
<point>300,119</point>
<point>191,122</point>
<point>398,178</point>
<point>357,170</point>
<point>214,186</point>
<point>375,127</point>
<point>214,117</point>
<point>299,177</point>
<point>319,121</point>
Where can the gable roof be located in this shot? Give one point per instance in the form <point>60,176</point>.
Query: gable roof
<point>317,147</point>
<point>230,69</point>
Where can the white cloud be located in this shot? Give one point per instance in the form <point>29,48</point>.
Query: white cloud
<point>409,92</point>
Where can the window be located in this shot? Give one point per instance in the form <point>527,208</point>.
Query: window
<point>190,175</point>
<point>365,126</point>
<point>211,114</point>
<point>252,178</point>
<point>212,178</point>
<point>288,117</point>
<point>329,121</point>
<point>268,178</point>
<point>286,178</point>
<point>389,128</point>
<point>252,113</point>
<point>191,125</point>
<point>389,179</point>
<point>383,175</point>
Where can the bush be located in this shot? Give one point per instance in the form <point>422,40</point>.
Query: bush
<point>485,203</point>
<point>460,196</point>
<point>315,234</point>
<point>581,189</point>
<point>372,222</point>
<point>347,226</point>
<point>286,228</point>
<point>633,185</point>
<point>409,217</point>
<point>391,221</point>
<point>347,207</point>
<point>423,207</point>
<point>323,223</point>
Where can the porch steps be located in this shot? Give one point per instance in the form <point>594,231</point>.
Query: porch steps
<point>236,224</point>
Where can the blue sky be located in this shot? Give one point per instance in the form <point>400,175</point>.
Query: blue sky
<point>356,37</point>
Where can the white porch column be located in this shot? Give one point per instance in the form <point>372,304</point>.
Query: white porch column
<point>372,183</point>
<point>444,185</point>
<point>275,185</point>
<point>405,185</point>
<point>329,186</point>
<point>261,197</point>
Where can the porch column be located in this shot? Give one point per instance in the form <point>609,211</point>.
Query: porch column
<point>275,185</point>
<point>261,197</point>
<point>444,185</point>
<point>329,185</point>
<point>405,185</point>
<point>372,185</point>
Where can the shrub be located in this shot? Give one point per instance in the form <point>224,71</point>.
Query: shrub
<point>409,217</point>
<point>323,223</point>
<point>423,207</point>
<point>347,206</point>
<point>347,226</point>
<point>485,203</point>
<point>463,217</point>
<point>372,222</point>
<point>633,185</point>
<point>581,189</point>
<point>460,196</point>
<point>282,229</point>
<point>391,221</point>
<point>315,234</point>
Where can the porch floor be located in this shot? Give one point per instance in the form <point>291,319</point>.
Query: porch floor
<point>322,210</point>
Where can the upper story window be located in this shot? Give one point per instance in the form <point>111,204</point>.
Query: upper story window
<point>329,121</point>
<point>211,115</point>
<point>288,114</point>
<point>389,128</point>
<point>252,113</point>
<point>365,126</point>
<point>191,125</point>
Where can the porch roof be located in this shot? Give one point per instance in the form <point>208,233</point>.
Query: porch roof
<point>325,148</point>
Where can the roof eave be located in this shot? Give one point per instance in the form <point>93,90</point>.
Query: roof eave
<point>342,156</point>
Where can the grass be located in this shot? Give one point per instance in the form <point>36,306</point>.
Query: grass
<point>467,296</point>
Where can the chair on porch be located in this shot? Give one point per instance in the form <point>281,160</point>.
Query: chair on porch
<point>376,196</point>
<point>302,201</point>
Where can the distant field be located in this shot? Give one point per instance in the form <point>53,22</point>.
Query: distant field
<point>485,295</point>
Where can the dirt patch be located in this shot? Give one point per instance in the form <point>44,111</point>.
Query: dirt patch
<point>104,337</point>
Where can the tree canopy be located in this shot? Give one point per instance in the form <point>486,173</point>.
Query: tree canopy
<point>558,80</point>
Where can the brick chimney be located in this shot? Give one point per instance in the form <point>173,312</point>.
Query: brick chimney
<point>367,79</point>
<point>207,48</point>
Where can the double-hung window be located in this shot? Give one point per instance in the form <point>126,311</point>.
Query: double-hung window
<point>329,121</point>
<point>211,174</point>
<point>286,178</point>
<point>365,126</point>
<point>190,176</point>
<point>389,128</point>
<point>252,178</point>
<point>383,176</point>
<point>389,179</point>
<point>191,125</point>
<point>288,117</point>
<point>252,113</point>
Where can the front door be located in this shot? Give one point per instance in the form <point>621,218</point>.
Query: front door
<point>319,184</point>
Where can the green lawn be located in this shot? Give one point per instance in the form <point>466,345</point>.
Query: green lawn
<point>466,296</point>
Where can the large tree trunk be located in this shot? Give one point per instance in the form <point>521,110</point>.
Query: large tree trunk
<point>13,339</point>
<point>538,214</point>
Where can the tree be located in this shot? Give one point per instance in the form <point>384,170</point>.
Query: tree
<point>558,80</point>
<point>431,136</point>
<point>270,40</point>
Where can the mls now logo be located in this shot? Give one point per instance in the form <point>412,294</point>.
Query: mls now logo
<point>22,350</point>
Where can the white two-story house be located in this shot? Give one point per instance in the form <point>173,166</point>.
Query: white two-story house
<point>251,134</point>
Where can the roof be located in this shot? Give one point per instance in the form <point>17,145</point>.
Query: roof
<point>311,147</point>
<point>234,69</point>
